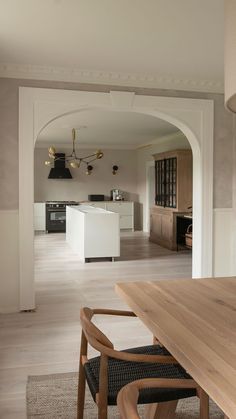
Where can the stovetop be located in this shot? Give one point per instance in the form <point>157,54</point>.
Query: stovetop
<point>62,202</point>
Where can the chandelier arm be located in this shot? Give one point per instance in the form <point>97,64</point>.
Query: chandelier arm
<point>69,158</point>
<point>72,158</point>
<point>73,141</point>
<point>90,155</point>
<point>89,161</point>
<point>85,162</point>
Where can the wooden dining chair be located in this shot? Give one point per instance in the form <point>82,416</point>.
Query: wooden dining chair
<point>108,373</point>
<point>128,396</point>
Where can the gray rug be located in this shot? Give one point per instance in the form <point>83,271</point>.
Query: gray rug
<point>54,396</point>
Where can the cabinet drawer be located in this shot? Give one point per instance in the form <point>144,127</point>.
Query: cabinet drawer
<point>126,221</point>
<point>123,208</point>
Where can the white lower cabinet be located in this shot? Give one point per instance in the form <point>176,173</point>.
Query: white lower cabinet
<point>125,209</point>
<point>39,216</point>
<point>126,222</point>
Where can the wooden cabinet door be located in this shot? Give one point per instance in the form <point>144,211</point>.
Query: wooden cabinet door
<point>155,225</point>
<point>166,227</point>
<point>162,228</point>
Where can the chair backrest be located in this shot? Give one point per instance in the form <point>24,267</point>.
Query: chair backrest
<point>95,337</point>
<point>92,335</point>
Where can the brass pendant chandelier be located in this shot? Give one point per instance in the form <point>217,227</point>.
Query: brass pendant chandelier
<point>72,159</point>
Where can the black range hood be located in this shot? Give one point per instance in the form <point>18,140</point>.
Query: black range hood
<point>59,171</point>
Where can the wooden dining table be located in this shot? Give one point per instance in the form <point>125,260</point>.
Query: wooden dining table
<point>195,319</point>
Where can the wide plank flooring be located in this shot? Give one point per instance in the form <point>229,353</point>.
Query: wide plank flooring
<point>47,341</point>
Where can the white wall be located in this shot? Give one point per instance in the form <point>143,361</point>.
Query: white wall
<point>101,181</point>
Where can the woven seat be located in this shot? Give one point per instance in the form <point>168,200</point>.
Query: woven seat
<point>121,373</point>
<point>108,373</point>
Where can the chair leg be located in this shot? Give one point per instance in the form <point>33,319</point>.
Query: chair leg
<point>102,411</point>
<point>82,379</point>
<point>81,393</point>
<point>164,410</point>
<point>204,404</point>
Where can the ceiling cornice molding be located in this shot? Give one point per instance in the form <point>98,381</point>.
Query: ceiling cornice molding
<point>66,146</point>
<point>64,74</point>
<point>162,139</point>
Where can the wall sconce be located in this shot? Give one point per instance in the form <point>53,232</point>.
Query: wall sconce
<point>114,169</point>
<point>89,169</point>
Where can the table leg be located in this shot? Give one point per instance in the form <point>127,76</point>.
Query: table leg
<point>165,410</point>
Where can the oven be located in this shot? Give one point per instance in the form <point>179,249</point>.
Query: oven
<point>56,216</point>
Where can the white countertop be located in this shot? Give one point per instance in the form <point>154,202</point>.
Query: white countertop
<point>87,209</point>
<point>105,201</point>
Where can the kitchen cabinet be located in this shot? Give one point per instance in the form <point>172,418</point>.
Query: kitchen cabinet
<point>163,227</point>
<point>124,208</point>
<point>173,179</point>
<point>39,216</point>
<point>92,232</point>
<point>173,195</point>
<point>126,212</point>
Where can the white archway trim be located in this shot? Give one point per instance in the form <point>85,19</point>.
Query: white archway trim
<point>194,117</point>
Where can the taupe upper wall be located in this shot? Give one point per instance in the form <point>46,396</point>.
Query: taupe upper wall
<point>101,180</point>
<point>9,191</point>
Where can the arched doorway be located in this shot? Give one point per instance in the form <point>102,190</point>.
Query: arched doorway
<point>194,117</point>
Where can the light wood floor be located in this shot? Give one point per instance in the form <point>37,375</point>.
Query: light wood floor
<point>47,341</point>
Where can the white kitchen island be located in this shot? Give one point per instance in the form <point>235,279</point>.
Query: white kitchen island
<point>92,232</point>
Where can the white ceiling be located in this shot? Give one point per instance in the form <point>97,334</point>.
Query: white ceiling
<point>175,43</point>
<point>105,129</point>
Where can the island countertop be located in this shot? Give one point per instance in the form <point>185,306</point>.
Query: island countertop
<point>88,209</point>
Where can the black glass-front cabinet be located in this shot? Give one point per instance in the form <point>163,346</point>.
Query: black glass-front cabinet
<point>166,182</point>
<point>173,195</point>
